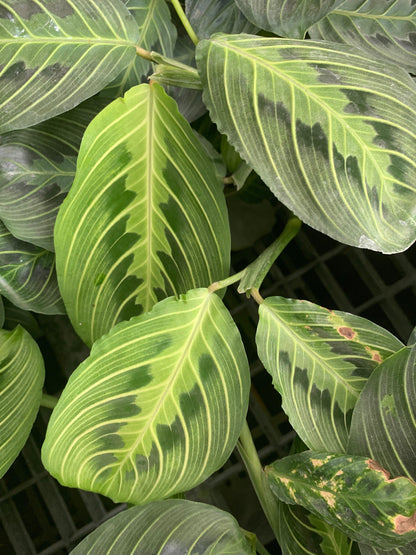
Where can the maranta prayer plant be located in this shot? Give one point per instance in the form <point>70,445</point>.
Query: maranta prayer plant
<point>112,211</point>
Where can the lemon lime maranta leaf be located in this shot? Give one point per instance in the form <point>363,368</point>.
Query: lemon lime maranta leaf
<point>383,425</point>
<point>352,493</point>
<point>385,30</point>
<point>145,218</point>
<point>170,526</point>
<point>303,533</point>
<point>331,132</point>
<point>21,380</point>
<point>157,407</point>
<point>286,19</point>
<point>37,168</point>
<point>319,361</point>
<point>27,275</point>
<point>54,55</point>
<point>212,16</point>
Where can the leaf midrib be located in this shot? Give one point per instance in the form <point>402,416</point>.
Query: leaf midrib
<point>59,40</point>
<point>355,14</point>
<point>174,375</point>
<point>309,351</point>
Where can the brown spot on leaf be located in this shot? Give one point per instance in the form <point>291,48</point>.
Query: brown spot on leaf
<point>316,462</point>
<point>373,465</point>
<point>329,498</point>
<point>348,333</point>
<point>404,524</point>
<point>375,355</point>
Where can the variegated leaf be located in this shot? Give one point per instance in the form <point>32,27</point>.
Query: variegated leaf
<point>383,30</point>
<point>354,494</point>
<point>213,16</point>
<point>54,55</point>
<point>21,380</point>
<point>303,533</point>
<point>157,32</point>
<point>171,526</point>
<point>319,361</point>
<point>27,275</point>
<point>384,422</point>
<point>37,167</point>
<point>331,132</point>
<point>287,18</point>
<point>145,218</point>
<point>157,407</point>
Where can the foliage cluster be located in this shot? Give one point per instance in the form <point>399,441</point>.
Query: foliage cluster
<point>112,211</point>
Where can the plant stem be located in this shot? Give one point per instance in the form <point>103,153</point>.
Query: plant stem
<point>253,540</point>
<point>48,401</point>
<point>256,296</point>
<point>226,282</point>
<point>261,550</point>
<point>185,22</point>
<point>256,272</point>
<point>248,453</point>
<point>144,53</point>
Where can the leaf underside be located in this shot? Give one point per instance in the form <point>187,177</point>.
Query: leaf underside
<point>157,407</point>
<point>329,131</point>
<point>172,526</point>
<point>146,216</point>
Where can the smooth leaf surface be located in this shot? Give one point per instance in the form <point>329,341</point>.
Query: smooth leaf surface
<point>14,316</point>
<point>37,168</point>
<point>351,493</point>
<point>27,275</point>
<point>145,218</point>
<point>319,361</point>
<point>383,425</point>
<point>286,18</point>
<point>330,132</point>
<point>384,420</point>
<point>54,55</point>
<point>383,30</point>
<point>157,32</point>
<point>213,16</point>
<point>302,533</point>
<point>1,313</point>
<point>170,526</point>
<point>157,407</point>
<point>21,380</point>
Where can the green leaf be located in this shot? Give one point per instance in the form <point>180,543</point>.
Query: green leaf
<point>287,19</point>
<point>1,313</point>
<point>409,549</point>
<point>157,407</point>
<point>213,16</point>
<point>352,493</point>
<point>14,316</point>
<point>21,381</point>
<point>55,54</point>
<point>170,526</point>
<point>382,30</point>
<point>27,275</point>
<point>319,361</point>
<point>37,167</point>
<point>329,131</point>
<point>157,32</point>
<point>145,218</point>
<point>383,425</point>
<point>302,533</point>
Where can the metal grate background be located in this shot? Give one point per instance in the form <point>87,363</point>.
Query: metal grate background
<point>38,516</point>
